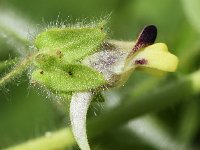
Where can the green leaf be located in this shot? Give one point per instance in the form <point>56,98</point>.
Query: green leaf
<point>69,78</point>
<point>71,43</point>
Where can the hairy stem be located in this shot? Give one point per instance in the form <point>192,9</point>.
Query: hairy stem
<point>17,70</point>
<point>7,63</point>
<point>154,101</point>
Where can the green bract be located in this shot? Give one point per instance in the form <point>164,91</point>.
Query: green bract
<point>72,43</point>
<point>58,62</point>
<point>69,78</point>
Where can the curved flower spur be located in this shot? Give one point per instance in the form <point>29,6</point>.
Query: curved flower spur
<point>78,63</point>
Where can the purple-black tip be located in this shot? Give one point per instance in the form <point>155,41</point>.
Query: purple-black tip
<point>146,37</point>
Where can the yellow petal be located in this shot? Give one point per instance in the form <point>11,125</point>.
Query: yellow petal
<point>156,56</point>
<point>152,71</point>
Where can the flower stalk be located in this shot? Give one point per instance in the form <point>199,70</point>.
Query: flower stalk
<point>17,70</point>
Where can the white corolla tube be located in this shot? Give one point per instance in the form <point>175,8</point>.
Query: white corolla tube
<point>78,111</point>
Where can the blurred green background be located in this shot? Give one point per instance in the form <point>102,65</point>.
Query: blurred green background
<point>27,112</point>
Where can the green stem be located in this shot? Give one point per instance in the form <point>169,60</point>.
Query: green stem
<point>17,70</point>
<point>51,141</point>
<point>154,101</point>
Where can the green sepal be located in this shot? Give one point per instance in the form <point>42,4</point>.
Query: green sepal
<point>66,95</point>
<point>69,78</point>
<point>72,43</point>
<point>47,61</point>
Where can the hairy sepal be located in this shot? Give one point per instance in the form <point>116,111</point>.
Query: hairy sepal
<point>69,78</point>
<point>72,43</point>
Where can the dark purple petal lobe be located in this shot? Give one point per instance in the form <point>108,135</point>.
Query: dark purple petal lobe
<point>146,37</point>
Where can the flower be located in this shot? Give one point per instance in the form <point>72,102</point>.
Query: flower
<point>79,62</point>
<point>118,59</point>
